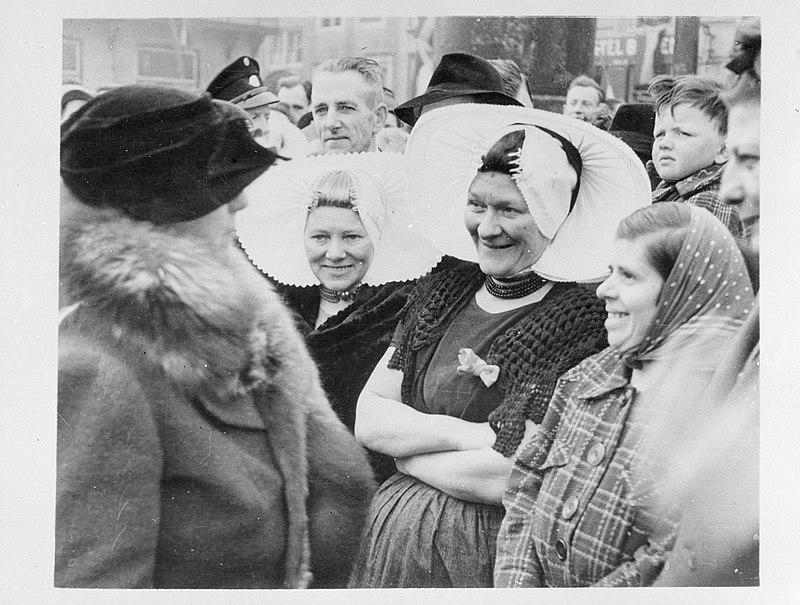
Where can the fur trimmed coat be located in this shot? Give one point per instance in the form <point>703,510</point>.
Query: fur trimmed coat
<point>196,448</point>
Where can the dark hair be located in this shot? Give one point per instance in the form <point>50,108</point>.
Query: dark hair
<point>510,73</point>
<point>703,93</point>
<point>500,158</point>
<point>665,226</point>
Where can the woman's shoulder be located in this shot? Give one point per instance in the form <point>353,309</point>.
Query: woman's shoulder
<point>450,276</point>
<point>575,294</point>
<point>603,363</point>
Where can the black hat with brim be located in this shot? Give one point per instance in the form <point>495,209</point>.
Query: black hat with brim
<point>458,74</point>
<point>159,155</point>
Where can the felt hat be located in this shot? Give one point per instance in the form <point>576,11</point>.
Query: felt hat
<point>271,228</point>
<point>158,154</point>
<point>633,123</point>
<point>458,74</point>
<point>445,150</point>
<point>74,92</point>
<point>241,83</point>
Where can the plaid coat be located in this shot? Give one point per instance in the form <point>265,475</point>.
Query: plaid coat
<point>702,189</point>
<point>580,500</point>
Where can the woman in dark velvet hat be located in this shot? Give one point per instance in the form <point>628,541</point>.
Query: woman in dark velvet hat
<point>196,448</point>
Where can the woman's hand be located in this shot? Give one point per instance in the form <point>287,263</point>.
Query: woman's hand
<point>385,424</point>
<point>474,475</point>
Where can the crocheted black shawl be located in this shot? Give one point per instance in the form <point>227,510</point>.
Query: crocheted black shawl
<point>348,346</point>
<point>559,332</point>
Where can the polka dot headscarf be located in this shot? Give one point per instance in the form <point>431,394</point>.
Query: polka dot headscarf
<point>705,299</point>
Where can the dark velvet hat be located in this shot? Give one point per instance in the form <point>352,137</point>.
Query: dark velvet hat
<point>158,154</point>
<point>458,74</point>
<point>633,123</point>
<point>241,83</point>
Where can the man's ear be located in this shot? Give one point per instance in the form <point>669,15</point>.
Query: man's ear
<point>381,113</point>
<point>722,155</point>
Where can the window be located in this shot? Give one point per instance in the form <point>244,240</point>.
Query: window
<point>71,59</point>
<point>330,22</point>
<point>273,49</point>
<point>167,65</point>
<point>370,20</point>
<point>294,47</point>
<point>283,48</point>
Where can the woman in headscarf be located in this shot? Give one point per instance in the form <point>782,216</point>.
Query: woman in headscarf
<point>196,448</point>
<point>333,232</point>
<point>534,198</point>
<point>582,503</point>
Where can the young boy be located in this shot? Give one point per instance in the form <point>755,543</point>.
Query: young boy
<point>689,146</point>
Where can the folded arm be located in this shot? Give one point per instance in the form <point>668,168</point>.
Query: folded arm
<point>385,424</point>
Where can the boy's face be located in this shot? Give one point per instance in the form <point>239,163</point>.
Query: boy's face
<point>686,140</point>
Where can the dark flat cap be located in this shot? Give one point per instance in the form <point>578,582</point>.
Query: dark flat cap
<point>240,83</point>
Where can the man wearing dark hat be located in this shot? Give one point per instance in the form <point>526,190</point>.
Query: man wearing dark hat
<point>459,78</point>
<point>633,123</point>
<point>241,84</point>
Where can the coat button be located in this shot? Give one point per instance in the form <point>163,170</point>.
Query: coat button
<point>561,549</point>
<point>570,506</point>
<point>596,454</point>
<point>630,393</point>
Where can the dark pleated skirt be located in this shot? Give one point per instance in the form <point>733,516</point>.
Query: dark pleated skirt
<point>419,537</point>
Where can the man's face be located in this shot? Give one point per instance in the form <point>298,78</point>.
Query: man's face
<point>260,126</point>
<point>581,103</point>
<point>740,181</point>
<point>345,120</point>
<point>295,99</point>
<point>685,140</point>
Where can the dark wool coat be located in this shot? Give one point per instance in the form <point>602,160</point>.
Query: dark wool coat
<point>195,445</point>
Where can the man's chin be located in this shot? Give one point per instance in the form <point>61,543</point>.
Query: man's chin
<point>336,145</point>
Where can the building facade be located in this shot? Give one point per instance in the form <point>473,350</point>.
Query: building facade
<point>187,53</point>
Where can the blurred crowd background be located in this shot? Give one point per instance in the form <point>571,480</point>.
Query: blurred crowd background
<point>622,54</point>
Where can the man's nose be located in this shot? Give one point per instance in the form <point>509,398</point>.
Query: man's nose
<point>331,119</point>
<point>730,189</point>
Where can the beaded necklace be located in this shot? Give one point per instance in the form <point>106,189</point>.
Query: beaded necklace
<point>335,296</point>
<point>514,287</point>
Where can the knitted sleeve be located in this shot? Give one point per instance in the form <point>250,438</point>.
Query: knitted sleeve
<point>537,352</point>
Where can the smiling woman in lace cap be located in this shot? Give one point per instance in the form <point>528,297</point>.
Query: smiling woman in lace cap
<point>334,233</point>
<point>534,198</point>
<point>196,448</point>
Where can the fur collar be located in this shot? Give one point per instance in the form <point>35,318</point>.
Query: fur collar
<point>215,329</point>
<point>168,295</point>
